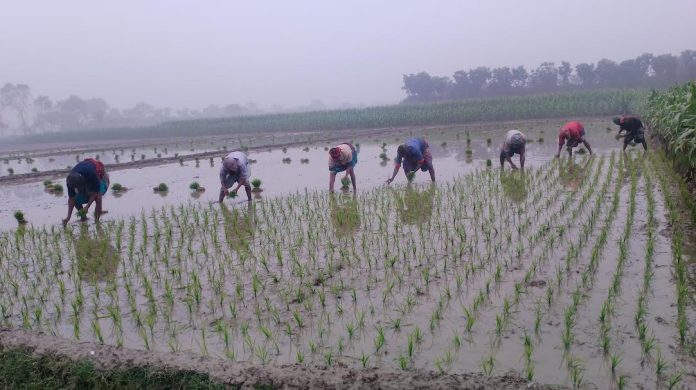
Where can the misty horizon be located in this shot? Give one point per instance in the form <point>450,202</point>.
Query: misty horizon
<point>289,55</point>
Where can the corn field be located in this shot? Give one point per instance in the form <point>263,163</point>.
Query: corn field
<point>672,115</point>
<point>560,105</point>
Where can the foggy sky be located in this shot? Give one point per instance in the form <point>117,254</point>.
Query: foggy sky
<point>195,53</point>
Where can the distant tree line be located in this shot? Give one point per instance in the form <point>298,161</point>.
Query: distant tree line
<point>644,71</point>
<point>21,113</point>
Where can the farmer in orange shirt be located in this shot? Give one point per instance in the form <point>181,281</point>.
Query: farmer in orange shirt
<point>571,134</point>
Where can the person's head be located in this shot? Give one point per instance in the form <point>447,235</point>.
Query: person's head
<point>231,164</point>
<point>335,153</point>
<point>402,150</point>
<point>617,120</point>
<point>517,143</point>
<point>76,181</point>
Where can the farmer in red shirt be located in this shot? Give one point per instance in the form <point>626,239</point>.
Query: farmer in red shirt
<point>571,134</point>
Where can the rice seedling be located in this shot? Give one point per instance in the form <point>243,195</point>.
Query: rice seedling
<point>162,187</point>
<point>19,217</point>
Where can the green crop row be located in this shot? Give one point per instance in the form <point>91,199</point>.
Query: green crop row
<point>672,115</point>
<point>559,105</point>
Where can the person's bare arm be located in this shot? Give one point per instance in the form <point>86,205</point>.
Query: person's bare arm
<point>558,152</point>
<point>512,164</point>
<point>92,198</point>
<point>396,171</point>
<point>522,158</point>
<point>431,170</point>
<point>351,172</point>
<point>71,206</point>
<point>223,186</point>
<point>240,182</point>
<point>98,208</point>
<point>332,180</point>
<point>587,145</point>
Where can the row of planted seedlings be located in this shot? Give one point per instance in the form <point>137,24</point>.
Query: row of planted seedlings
<point>505,261</point>
<point>660,369</point>
<point>585,289</point>
<point>519,281</point>
<point>542,265</point>
<point>393,282</point>
<point>456,275</point>
<point>282,282</point>
<point>148,279</point>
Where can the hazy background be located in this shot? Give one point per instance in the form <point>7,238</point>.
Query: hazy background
<point>288,53</point>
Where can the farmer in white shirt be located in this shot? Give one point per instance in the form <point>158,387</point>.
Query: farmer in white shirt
<point>515,142</point>
<point>235,169</point>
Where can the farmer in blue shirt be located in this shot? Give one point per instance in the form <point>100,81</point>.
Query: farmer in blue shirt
<point>85,179</point>
<point>414,154</point>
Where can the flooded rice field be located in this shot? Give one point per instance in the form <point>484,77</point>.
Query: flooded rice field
<point>283,170</point>
<point>560,274</point>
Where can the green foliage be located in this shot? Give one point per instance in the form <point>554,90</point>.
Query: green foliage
<point>556,105</point>
<point>256,183</point>
<point>162,187</point>
<point>672,115</point>
<point>117,187</point>
<point>195,186</point>
<point>20,369</point>
<point>19,216</point>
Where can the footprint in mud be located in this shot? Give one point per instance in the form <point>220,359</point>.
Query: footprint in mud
<point>537,283</point>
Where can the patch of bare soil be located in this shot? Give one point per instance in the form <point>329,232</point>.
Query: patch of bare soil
<point>249,375</point>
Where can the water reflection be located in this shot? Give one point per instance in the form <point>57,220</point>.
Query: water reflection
<point>345,214</point>
<point>240,226</point>
<point>514,185</point>
<point>414,205</point>
<point>97,259</point>
<point>571,174</point>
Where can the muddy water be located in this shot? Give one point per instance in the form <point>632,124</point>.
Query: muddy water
<point>43,158</point>
<point>448,148</point>
<point>291,256</point>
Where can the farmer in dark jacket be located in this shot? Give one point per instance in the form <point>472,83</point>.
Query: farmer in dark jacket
<point>85,179</point>
<point>633,128</point>
<point>414,154</point>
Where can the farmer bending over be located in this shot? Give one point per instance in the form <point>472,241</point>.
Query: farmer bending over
<point>85,179</point>
<point>235,169</point>
<point>415,154</point>
<point>633,128</point>
<point>342,157</point>
<point>515,142</point>
<point>571,134</point>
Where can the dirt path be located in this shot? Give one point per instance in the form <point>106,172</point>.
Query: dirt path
<point>249,375</point>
